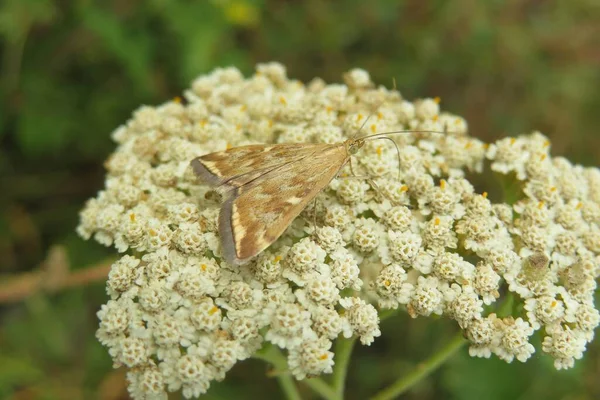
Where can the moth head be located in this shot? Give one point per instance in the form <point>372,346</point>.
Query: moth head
<point>353,145</point>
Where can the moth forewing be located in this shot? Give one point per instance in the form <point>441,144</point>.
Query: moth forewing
<point>265,188</point>
<point>237,161</point>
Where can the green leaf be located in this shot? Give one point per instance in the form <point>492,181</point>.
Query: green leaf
<point>47,117</point>
<point>130,46</point>
<point>201,35</point>
<point>17,16</point>
<point>17,371</point>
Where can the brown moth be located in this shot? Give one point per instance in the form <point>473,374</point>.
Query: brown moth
<point>264,187</point>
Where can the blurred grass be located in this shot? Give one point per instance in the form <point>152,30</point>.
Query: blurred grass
<point>72,71</point>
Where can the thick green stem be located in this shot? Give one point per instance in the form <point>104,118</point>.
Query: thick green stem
<point>319,386</point>
<point>421,371</point>
<point>272,355</point>
<point>343,351</point>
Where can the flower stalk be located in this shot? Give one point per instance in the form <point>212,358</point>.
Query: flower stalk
<point>422,370</point>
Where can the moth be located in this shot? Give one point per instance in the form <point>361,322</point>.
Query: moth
<point>265,187</point>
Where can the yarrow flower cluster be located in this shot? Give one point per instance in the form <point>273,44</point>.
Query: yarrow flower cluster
<point>416,235</point>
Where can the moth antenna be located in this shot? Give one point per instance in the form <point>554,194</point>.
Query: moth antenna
<point>370,115</point>
<point>444,132</point>
<point>362,126</point>
<point>397,151</point>
<point>405,131</point>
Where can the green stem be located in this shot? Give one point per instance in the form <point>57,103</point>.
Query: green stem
<point>272,355</point>
<point>507,306</point>
<point>319,386</point>
<point>343,351</point>
<point>387,313</point>
<point>421,371</point>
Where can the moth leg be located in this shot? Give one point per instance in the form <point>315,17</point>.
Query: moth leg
<point>380,193</point>
<point>351,168</point>
<point>375,187</point>
<point>365,177</point>
<point>368,178</point>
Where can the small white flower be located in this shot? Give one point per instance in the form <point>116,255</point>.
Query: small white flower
<point>329,238</point>
<point>427,298</point>
<point>158,235</point>
<point>508,156</point>
<point>367,235</point>
<point>123,274</point>
<point>239,295</point>
<point>184,212</point>
<point>363,319</point>
<point>304,255</point>
<point>205,315</point>
<point>295,134</point>
<point>438,233</point>
<point>225,354</point>
<point>398,218</point>
<point>464,305</point>
<point>323,291</point>
<point>311,358</point>
<point>406,111</point>
<point>189,238</point>
<point>326,322</point>
<point>166,330</point>
<point>274,71</point>
<point>114,317</point>
<point>444,200</point>
<point>503,260</point>
<point>427,108</point>
<point>484,336</point>
<point>351,191</point>
<point>107,221</point>
<point>133,352</point>
<point>514,342</point>
<point>289,326</point>
<point>392,286</point>
<point>193,374</point>
<point>193,284</point>
<point>404,246</point>
<point>486,283</point>
<point>344,270</point>
<point>565,345</point>
<point>153,296</point>
<point>587,319</point>
<point>452,267</point>
<point>146,383</point>
<point>338,217</point>
<point>246,331</point>
<point>268,267</point>
<point>357,79</point>
<point>544,310</point>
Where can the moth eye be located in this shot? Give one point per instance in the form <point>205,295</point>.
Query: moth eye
<point>213,195</point>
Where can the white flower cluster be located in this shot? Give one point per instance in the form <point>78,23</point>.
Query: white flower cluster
<point>416,235</point>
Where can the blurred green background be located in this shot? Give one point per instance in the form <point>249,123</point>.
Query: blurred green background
<point>74,70</point>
